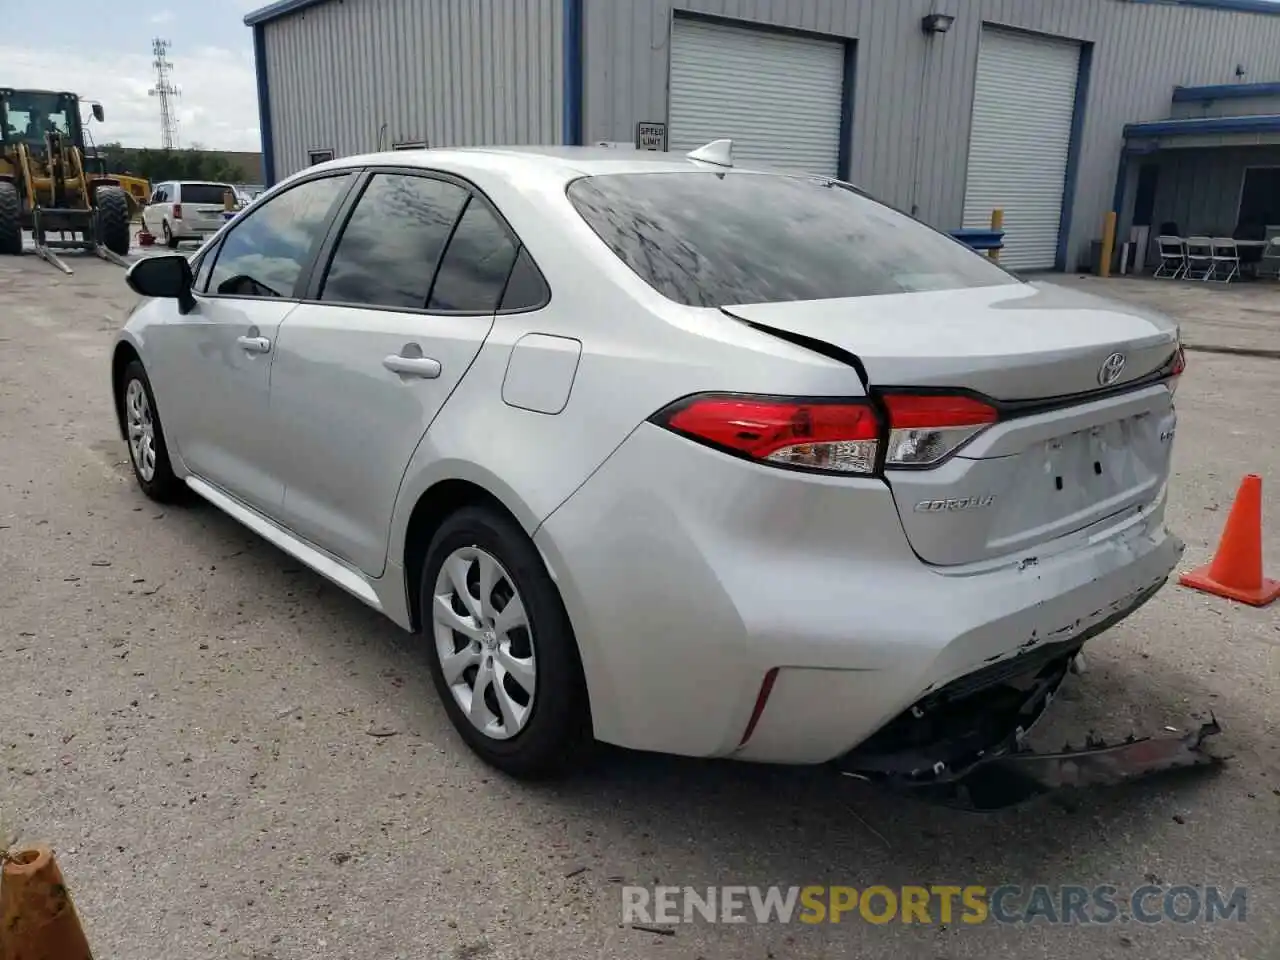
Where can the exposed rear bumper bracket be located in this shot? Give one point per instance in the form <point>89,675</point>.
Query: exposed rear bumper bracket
<point>962,744</point>
<point>1014,778</point>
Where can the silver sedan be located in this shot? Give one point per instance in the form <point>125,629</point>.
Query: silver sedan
<point>666,453</point>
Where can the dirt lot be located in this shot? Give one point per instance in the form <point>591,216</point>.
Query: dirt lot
<point>188,717</point>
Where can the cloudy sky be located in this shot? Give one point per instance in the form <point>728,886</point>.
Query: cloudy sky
<point>110,61</point>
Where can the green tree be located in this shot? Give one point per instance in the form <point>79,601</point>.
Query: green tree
<point>191,163</point>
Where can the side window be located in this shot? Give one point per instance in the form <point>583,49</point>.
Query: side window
<point>263,254</point>
<point>526,290</point>
<point>475,267</point>
<point>389,248</point>
<point>204,268</point>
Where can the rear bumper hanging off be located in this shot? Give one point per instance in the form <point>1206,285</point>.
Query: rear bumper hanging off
<point>1010,779</point>
<point>963,745</point>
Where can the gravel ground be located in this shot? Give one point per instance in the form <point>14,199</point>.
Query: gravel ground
<point>236,760</point>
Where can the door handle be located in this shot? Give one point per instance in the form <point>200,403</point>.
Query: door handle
<point>254,344</point>
<point>423,367</point>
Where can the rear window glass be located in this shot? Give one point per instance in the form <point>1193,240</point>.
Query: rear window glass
<point>204,192</point>
<point>712,239</point>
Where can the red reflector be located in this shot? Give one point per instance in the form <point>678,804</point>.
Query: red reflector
<point>922,411</point>
<point>177,211</point>
<point>805,433</point>
<point>762,698</point>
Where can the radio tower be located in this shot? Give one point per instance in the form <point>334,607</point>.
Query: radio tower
<point>166,91</point>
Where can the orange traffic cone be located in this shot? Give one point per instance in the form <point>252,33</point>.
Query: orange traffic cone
<point>1236,570</point>
<point>37,919</point>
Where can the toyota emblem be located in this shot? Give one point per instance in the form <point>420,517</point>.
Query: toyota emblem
<point>1112,367</point>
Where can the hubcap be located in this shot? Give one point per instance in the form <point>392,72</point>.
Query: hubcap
<point>484,642</point>
<point>142,430</point>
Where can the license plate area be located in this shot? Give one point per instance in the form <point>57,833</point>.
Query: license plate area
<point>1075,479</point>
<point>1095,463</point>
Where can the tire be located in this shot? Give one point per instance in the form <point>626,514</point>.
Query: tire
<point>113,220</point>
<point>10,220</point>
<point>553,737</point>
<point>170,240</point>
<point>152,469</point>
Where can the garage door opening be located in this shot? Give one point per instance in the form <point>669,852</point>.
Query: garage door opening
<point>779,96</point>
<point>1020,142</point>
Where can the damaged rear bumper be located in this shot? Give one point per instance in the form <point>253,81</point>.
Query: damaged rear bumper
<point>1005,781</point>
<point>963,744</point>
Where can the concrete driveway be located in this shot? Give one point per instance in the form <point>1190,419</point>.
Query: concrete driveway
<point>1239,318</point>
<point>235,759</point>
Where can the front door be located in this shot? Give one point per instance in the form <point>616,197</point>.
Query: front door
<point>219,396</point>
<point>359,376</point>
<point>218,357</point>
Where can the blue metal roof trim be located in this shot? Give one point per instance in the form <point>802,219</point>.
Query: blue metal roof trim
<point>281,8</point>
<point>1267,7</point>
<point>1225,91</point>
<point>1264,123</point>
<point>264,107</point>
<point>572,73</point>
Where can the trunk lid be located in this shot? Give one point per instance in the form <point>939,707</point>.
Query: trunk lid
<point>1076,445</point>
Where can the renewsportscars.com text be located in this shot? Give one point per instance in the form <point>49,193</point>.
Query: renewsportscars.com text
<point>938,904</point>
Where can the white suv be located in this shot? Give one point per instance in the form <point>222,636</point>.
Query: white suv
<point>186,210</point>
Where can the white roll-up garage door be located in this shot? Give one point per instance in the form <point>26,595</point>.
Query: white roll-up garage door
<point>1022,106</point>
<point>777,96</point>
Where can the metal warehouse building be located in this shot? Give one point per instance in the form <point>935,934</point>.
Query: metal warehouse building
<point>1055,111</point>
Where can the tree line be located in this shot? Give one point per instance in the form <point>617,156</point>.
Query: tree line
<point>155,165</point>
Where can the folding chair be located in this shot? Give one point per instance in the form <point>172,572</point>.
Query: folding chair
<point>1173,258</point>
<point>1226,256</point>
<point>1269,265</point>
<point>1199,258</point>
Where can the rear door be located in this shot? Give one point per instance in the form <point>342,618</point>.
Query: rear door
<point>388,331</point>
<point>155,212</point>
<point>1063,419</point>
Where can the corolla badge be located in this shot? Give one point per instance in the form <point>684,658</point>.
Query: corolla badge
<point>954,504</point>
<point>1112,367</point>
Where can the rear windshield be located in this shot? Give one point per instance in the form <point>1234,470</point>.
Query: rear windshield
<point>204,192</point>
<point>713,239</point>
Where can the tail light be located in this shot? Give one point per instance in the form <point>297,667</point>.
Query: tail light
<point>926,429</point>
<point>829,436</point>
<point>177,211</point>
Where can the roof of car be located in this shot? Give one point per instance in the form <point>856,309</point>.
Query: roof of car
<point>563,163</point>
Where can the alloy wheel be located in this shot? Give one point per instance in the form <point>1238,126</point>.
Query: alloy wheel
<point>485,642</point>
<point>142,430</point>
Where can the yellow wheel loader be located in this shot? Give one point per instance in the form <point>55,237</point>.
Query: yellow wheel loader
<point>45,186</point>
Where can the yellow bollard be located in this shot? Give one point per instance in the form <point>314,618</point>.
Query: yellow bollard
<point>1108,243</point>
<point>997,223</point>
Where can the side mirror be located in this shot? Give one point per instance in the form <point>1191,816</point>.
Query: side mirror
<point>98,113</point>
<point>165,277</point>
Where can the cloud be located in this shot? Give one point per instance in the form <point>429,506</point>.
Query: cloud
<point>218,106</point>
<point>164,16</point>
